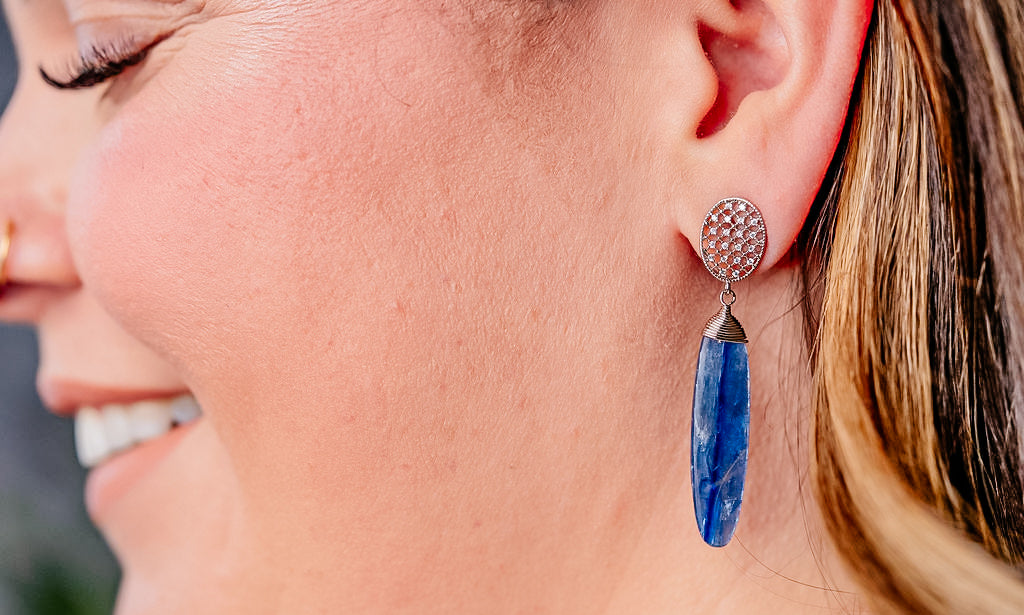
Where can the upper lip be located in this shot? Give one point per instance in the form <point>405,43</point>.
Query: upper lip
<point>65,397</point>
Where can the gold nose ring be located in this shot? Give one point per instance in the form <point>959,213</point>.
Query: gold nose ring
<point>5,250</point>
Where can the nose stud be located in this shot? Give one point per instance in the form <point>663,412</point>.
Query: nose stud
<point>5,250</point>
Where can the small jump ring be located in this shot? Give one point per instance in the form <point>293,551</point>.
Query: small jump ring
<point>728,297</point>
<point>5,250</point>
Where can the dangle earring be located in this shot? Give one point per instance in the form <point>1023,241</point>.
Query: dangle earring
<point>732,242</point>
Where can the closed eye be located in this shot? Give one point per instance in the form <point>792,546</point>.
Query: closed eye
<point>100,65</point>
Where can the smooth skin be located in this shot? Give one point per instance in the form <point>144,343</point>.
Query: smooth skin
<point>429,268</point>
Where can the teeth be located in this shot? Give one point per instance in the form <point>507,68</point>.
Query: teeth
<point>90,437</point>
<point>99,433</point>
<point>118,427</point>
<point>185,409</point>
<point>150,419</point>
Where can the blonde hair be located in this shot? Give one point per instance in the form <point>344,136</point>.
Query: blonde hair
<point>914,267</point>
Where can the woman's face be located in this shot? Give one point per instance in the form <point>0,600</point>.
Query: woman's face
<point>378,242</point>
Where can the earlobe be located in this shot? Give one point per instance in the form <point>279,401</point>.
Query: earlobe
<point>785,71</point>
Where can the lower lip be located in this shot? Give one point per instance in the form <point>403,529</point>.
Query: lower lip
<point>112,479</point>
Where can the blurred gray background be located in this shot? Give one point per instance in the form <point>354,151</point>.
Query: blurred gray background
<point>52,562</point>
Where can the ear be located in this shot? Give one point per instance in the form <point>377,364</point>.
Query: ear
<point>784,72</point>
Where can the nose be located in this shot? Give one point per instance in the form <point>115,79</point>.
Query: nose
<point>40,138</point>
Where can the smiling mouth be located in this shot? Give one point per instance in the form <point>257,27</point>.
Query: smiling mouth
<point>101,433</point>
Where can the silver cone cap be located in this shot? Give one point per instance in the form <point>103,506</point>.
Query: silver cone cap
<point>724,327</point>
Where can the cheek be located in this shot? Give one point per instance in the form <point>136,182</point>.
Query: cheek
<point>155,237</point>
<point>181,224</point>
<point>335,236</point>
<point>234,228</point>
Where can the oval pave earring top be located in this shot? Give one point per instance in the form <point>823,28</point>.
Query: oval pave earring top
<point>732,242</point>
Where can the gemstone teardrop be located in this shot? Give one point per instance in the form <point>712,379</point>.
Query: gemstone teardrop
<point>720,438</point>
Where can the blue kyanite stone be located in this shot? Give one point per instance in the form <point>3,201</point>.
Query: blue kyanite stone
<point>719,438</point>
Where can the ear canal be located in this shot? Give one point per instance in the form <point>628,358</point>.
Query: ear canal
<point>748,52</point>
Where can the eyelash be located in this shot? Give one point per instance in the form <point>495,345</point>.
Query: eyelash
<point>104,63</point>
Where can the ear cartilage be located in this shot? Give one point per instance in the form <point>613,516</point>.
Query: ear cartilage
<point>732,243</point>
